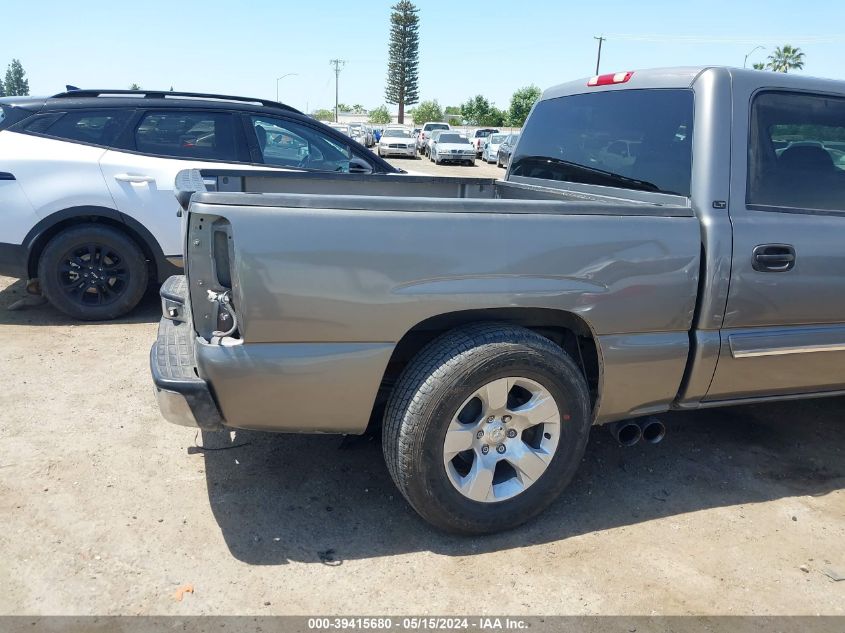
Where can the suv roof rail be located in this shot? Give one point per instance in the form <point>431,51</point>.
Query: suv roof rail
<point>163,94</point>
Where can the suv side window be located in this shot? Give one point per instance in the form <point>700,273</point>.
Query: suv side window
<point>796,153</point>
<point>199,135</point>
<point>97,127</point>
<point>285,143</point>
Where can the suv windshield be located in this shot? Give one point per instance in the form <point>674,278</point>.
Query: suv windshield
<point>495,139</point>
<point>632,139</point>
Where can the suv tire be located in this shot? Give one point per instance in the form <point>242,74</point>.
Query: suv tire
<point>93,272</point>
<point>441,384</point>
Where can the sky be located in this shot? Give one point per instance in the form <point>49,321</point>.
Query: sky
<point>467,47</point>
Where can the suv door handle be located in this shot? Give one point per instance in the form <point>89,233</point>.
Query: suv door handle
<point>133,178</point>
<point>773,258</point>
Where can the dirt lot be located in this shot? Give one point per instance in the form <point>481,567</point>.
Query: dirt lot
<point>425,166</point>
<point>107,509</point>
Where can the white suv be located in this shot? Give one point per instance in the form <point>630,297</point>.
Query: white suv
<point>425,133</point>
<point>86,182</point>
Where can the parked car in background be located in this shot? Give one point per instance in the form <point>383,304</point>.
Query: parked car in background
<point>396,141</point>
<point>491,146</point>
<point>425,134</point>
<point>478,138</point>
<point>358,133</point>
<point>86,182</point>
<point>371,137</point>
<point>503,156</point>
<point>451,147</point>
<point>343,128</point>
<point>430,141</point>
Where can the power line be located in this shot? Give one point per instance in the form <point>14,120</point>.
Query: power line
<point>338,66</point>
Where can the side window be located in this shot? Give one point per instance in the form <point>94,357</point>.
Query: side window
<point>796,152</point>
<point>187,134</point>
<point>287,143</point>
<point>98,127</point>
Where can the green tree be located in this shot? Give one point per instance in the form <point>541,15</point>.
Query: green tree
<point>16,84</point>
<point>759,66</point>
<point>521,103</point>
<point>494,118</point>
<point>134,86</point>
<point>2,89</point>
<point>786,58</point>
<point>380,115</point>
<point>403,56</point>
<point>323,115</point>
<point>359,109</point>
<point>475,109</point>
<point>427,111</point>
<point>342,107</point>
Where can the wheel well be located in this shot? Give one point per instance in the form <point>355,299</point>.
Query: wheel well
<point>565,329</point>
<point>48,234</point>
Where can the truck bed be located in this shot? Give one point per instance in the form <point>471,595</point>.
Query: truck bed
<point>326,286</point>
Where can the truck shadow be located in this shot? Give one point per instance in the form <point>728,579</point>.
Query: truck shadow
<point>281,498</point>
<point>148,311</point>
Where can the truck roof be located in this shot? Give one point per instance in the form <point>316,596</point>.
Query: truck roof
<point>685,76</point>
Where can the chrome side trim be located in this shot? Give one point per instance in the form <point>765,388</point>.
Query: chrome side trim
<point>782,342</point>
<point>801,349</point>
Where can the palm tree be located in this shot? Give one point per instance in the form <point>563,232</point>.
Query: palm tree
<point>786,58</point>
<point>759,66</point>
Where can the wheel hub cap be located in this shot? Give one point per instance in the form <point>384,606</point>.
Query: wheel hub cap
<point>501,439</point>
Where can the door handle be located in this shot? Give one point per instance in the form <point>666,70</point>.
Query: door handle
<point>773,258</point>
<point>134,178</point>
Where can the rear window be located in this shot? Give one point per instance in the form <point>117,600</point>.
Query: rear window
<point>632,139</point>
<point>182,134</point>
<point>435,126</point>
<point>97,127</point>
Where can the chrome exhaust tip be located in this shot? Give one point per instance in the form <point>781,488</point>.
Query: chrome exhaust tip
<point>653,430</point>
<point>626,432</point>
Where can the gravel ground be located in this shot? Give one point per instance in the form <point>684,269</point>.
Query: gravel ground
<point>107,509</point>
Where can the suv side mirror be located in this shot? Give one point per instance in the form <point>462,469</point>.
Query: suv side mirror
<point>359,166</point>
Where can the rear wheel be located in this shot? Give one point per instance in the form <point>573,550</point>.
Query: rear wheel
<point>485,427</point>
<point>93,272</point>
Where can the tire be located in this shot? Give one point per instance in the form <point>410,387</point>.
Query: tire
<point>65,262</point>
<point>434,388</point>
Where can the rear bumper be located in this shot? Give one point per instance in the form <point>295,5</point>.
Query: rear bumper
<point>183,397</point>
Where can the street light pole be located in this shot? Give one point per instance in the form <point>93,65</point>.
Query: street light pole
<point>598,57</point>
<point>745,61</point>
<point>278,79</point>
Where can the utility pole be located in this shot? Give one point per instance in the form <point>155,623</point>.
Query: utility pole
<point>601,39</point>
<point>338,66</point>
<point>745,61</point>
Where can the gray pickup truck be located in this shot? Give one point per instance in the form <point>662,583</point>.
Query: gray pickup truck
<point>664,239</point>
